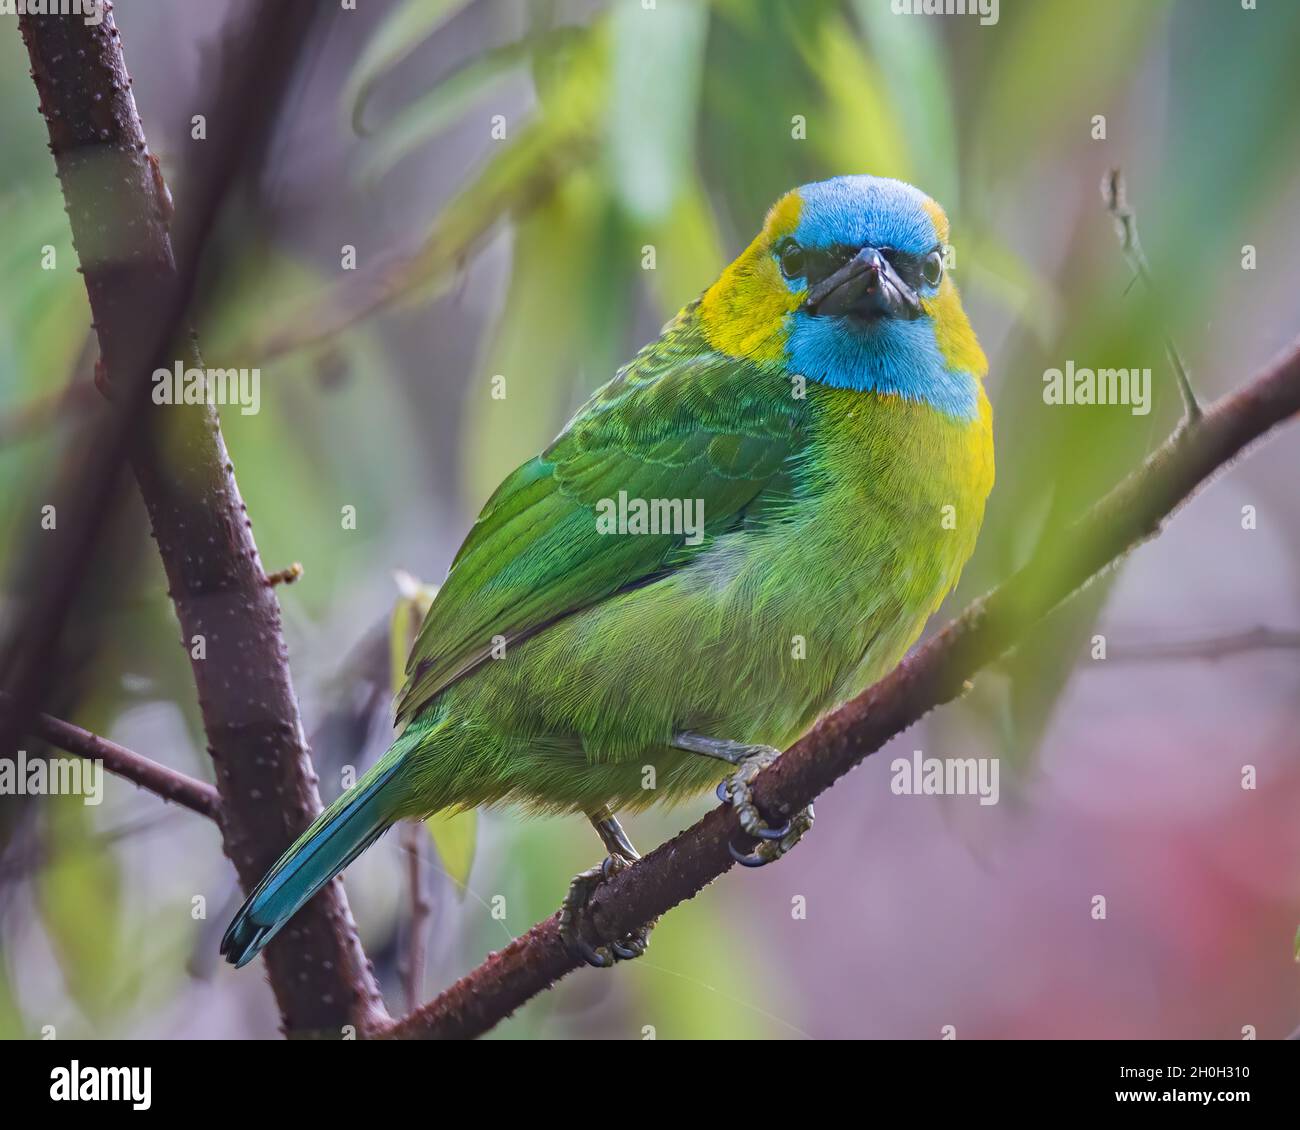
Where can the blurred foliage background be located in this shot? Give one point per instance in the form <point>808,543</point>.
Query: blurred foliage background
<point>506,171</point>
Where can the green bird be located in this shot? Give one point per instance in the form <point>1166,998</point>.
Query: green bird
<point>747,526</point>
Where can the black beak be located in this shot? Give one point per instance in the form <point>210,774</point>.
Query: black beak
<point>866,286</point>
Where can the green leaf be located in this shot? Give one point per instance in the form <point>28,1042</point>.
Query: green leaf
<point>407,26</point>
<point>1016,122</point>
<point>455,835</point>
<point>688,250</point>
<point>400,635</point>
<point>300,456</point>
<point>1006,276</point>
<point>409,611</point>
<point>910,55</point>
<point>860,130</point>
<point>557,255</point>
<point>13,1025</point>
<point>37,306</point>
<point>537,162</point>
<point>79,895</point>
<point>442,105</point>
<point>657,57</point>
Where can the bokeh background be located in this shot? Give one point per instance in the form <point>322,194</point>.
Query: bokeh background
<point>522,256</point>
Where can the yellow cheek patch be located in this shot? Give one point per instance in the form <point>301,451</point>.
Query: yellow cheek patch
<point>952,331</point>
<point>782,218</point>
<point>937,217</point>
<point>742,314</point>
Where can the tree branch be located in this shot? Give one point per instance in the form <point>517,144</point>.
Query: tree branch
<point>413,835</point>
<point>139,293</point>
<point>1213,648</point>
<point>171,785</point>
<point>934,674</point>
<point>1116,200</point>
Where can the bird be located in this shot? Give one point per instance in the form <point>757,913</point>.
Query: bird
<point>744,528</point>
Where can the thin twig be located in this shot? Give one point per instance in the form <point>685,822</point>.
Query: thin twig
<point>1112,193</point>
<point>169,784</point>
<point>1260,638</point>
<point>285,576</point>
<point>413,837</point>
<point>934,674</point>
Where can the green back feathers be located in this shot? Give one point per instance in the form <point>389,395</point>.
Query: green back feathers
<point>679,422</point>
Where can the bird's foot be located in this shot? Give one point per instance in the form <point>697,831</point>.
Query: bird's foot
<point>772,843</point>
<point>574,911</point>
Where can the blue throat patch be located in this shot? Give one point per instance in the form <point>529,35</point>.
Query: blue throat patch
<point>894,357</point>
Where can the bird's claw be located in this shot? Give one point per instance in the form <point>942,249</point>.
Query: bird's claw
<point>573,911</point>
<point>772,843</point>
<point>771,848</point>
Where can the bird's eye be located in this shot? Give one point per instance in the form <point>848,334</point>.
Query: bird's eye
<point>932,268</point>
<point>792,259</point>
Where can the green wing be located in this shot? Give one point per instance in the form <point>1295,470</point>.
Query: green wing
<point>679,422</point>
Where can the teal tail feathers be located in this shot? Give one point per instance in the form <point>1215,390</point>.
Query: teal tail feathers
<point>340,834</point>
